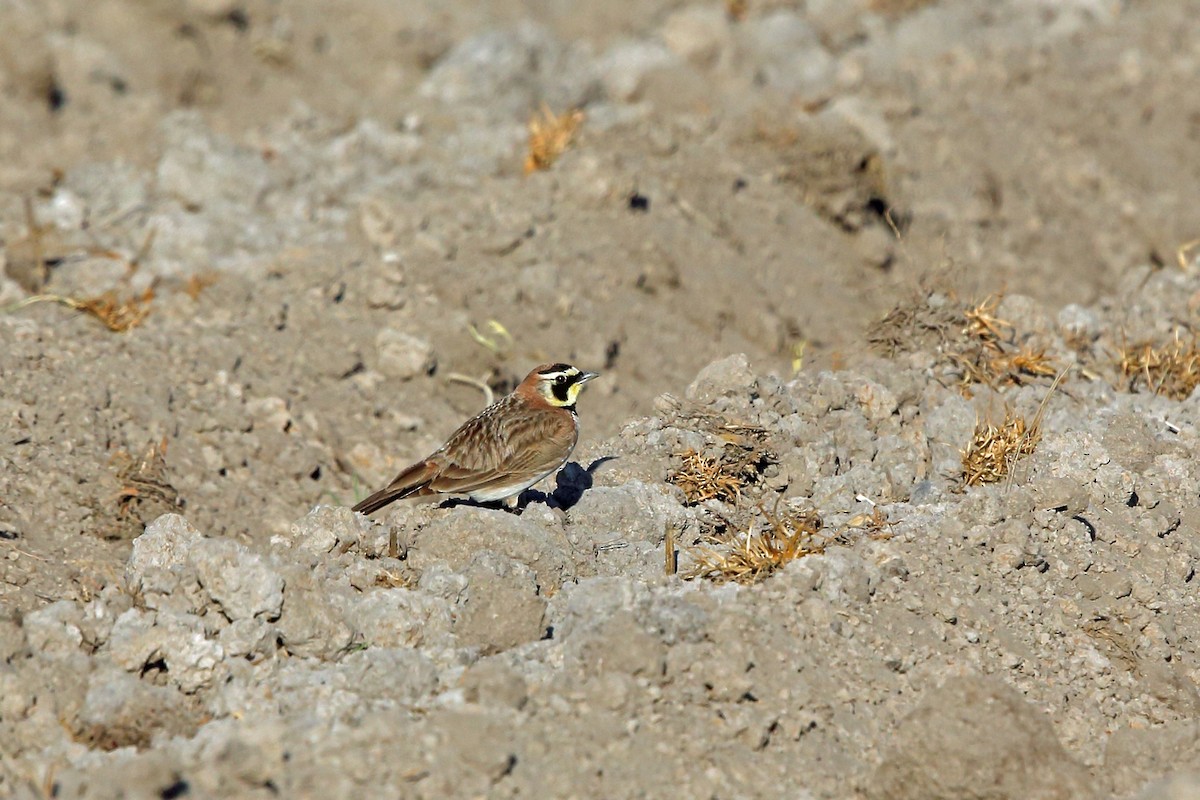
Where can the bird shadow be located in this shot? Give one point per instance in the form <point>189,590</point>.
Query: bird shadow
<point>573,481</point>
<point>570,485</point>
<point>455,502</point>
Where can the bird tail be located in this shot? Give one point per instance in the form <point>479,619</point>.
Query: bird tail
<point>408,483</point>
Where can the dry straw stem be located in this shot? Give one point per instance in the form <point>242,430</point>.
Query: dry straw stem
<point>1172,370</point>
<point>1184,250</point>
<point>499,343</point>
<point>671,563</point>
<point>549,137</point>
<point>488,395</point>
<point>749,557</point>
<point>117,315</point>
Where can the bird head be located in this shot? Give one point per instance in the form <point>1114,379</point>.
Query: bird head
<point>558,384</point>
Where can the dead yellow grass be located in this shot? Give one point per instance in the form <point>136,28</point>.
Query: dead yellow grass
<point>996,368</point>
<point>144,492</point>
<point>740,454</point>
<point>196,284</point>
<point>875,525</point>
<point>1184,251</point>
<point>1031,361</point>
<point>751,556</point>
<point>988,353</point>
<point>1172,369</point>
<point>118,315</point>
<point>702,478</point>
<point>994,449</point>
<point>897,8</point>
<point>981,347</point>
<point>549,137</point>
<point>982,322</point>
<point>394,580</point>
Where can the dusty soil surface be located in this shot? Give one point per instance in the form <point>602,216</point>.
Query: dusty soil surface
<point>769,570</point>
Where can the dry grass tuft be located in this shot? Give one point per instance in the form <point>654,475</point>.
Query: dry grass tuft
<point>117,315</point>
<point>1029,361</point>
<point>196,284</point>
<point>750,557</point>
<point>549,137</point>
<point>982,322</point>
<point>1172,370</point>
<point>987,352</point>
<point>875,525</point>
<point>979,346</point>
<point>394,580</point>
<point>897,8</point>
<point>736,460</point>
<point>995,449</point>
<point>703,478</point>
<point>995,367</point>
<point>144,493</point>
<point>915,324</point>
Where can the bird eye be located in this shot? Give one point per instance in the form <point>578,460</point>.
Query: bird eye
<point>560,380</point>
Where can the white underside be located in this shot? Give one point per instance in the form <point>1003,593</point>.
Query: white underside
<point>504,492</point>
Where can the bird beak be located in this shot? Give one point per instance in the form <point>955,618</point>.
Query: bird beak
<point>584,377</point>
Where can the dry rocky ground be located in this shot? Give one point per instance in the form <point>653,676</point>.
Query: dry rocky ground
<point>776,232</point>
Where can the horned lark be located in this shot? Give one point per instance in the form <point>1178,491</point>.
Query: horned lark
<point>504,449</point>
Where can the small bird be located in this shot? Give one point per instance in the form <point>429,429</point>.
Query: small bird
<point>504,449</point>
